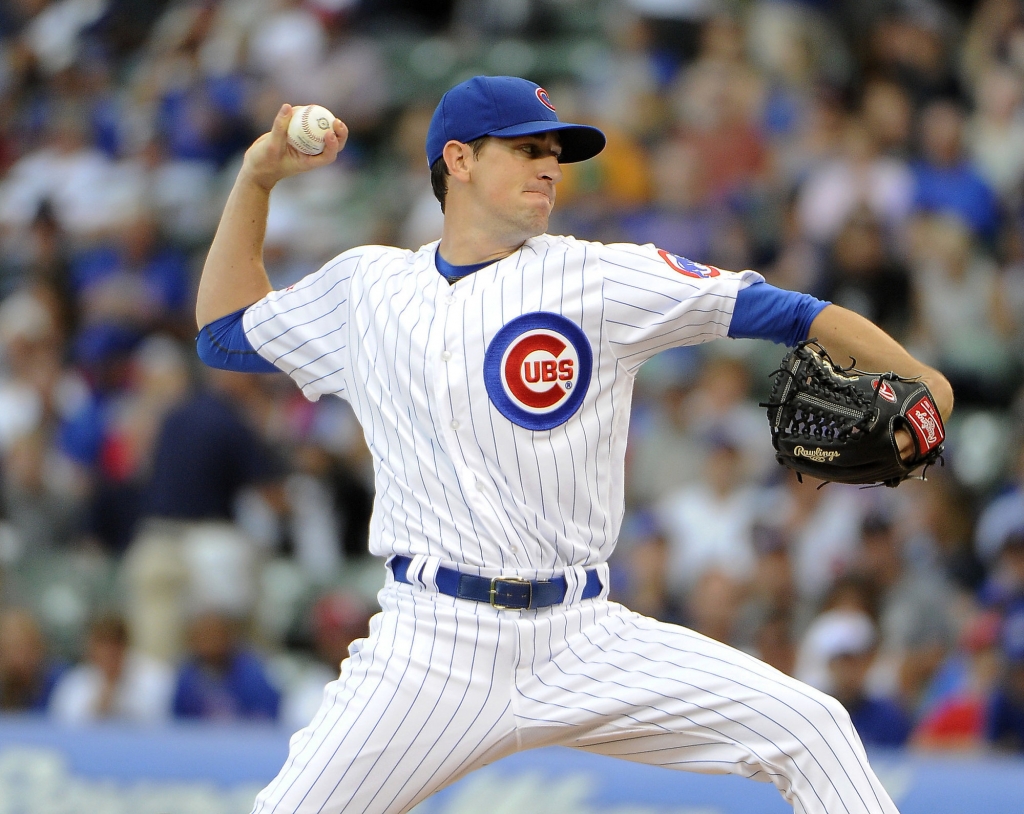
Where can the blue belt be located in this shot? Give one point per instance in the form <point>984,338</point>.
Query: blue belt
<point>502,592</point>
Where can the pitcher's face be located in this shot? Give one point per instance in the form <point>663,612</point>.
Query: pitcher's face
<point>515,180</point>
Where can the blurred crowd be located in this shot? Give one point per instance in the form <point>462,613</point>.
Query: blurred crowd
<point>182,542</point>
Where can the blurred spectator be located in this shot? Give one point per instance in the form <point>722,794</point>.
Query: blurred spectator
<point>410,211</point>
<point>721,405</point>
<point>126,23</point>
<point>961,316</point>
<point>992,35</point>
<point>844,640</point>
<point>222,680</point>
<point>888,115</point>
<point>915,612</point>
<point>85,188</point>
<point>641,557</point>
<point>713,604</point>
<point>945,179</point>
<point>863,275</point>
<point>819,139</point>
<point>859,178</point>
<point>766,621</point>
<point>102,353</point>
<point>682,218</point>
<point>53,36</point>
<point>954,711</point>
<point>909,43</point>
<point>159,380</point>
<point>717,102</point>
<point>330,507</point>
<point>625,81</point>
<point>797,45</point>
<point>27,674</point>
<point>591,196</point>
<point>337,619</point>
<point>1004,588</point>
<point>180,195</point>
<point>114,682</point>
<point>774,644</point>
<point>44,488</point>
<point>822,525</point>
<point>136,278</point>
<point>663,451</point>
<point>188,550</point>
<point>39,256</point>
<point>1006,711</point>
<point>677,25</point>
<point>796,262</point>
<point>947,519</point>
<point>1003,515</point>
<point>709,523</point>
<point>684,399</point>
<point>995,132</point>
<point>850,594</point>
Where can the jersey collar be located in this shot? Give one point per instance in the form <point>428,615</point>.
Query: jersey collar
<point>453,273</point>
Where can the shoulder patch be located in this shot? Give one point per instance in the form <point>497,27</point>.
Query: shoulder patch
<point>537,370</point>
<point>688,267</point>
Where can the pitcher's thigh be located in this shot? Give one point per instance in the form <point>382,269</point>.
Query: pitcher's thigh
<point>665,695</point>
<point>398,724</point>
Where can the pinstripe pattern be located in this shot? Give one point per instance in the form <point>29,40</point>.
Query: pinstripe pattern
<point>442,686</point>
<point>454,478</point>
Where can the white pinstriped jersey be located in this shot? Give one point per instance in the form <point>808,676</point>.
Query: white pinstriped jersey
<point>496,409</point>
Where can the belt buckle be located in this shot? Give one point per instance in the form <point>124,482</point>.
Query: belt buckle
<point>516,581</point>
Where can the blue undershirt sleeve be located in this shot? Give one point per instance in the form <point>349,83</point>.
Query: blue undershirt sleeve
<point>223,344</point>
<point>765,312</point>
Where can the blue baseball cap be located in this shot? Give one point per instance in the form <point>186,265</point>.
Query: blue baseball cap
<point>505,106</point>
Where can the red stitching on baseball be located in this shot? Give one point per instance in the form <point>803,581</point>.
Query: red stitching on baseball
<point>305,125</point>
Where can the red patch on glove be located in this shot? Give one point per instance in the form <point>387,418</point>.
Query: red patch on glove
<point>927,425</point>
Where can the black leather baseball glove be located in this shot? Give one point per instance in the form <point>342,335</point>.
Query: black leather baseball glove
<point>839,424</point>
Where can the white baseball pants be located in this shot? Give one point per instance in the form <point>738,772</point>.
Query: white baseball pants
<point>444,686</point>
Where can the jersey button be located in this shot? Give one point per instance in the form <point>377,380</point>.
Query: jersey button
<point>479,485</point>
<point>450,300</point>
<point>446,356</point>
<point>455,425</point>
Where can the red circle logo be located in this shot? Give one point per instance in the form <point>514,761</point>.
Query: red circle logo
<point>539,370</point>
<point>544,99</point>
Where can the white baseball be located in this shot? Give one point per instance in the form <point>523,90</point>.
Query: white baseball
<point>307,128</point>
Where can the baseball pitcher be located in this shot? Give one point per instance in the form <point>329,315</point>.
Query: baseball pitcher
<point>492,373</point>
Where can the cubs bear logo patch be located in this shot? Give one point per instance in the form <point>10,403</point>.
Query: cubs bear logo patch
<point>688,267</point>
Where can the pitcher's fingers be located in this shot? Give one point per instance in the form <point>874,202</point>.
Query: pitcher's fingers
<point>332,146</point>
<point>279,130</point>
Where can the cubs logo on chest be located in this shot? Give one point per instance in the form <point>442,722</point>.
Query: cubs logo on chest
<point>537,370</point>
